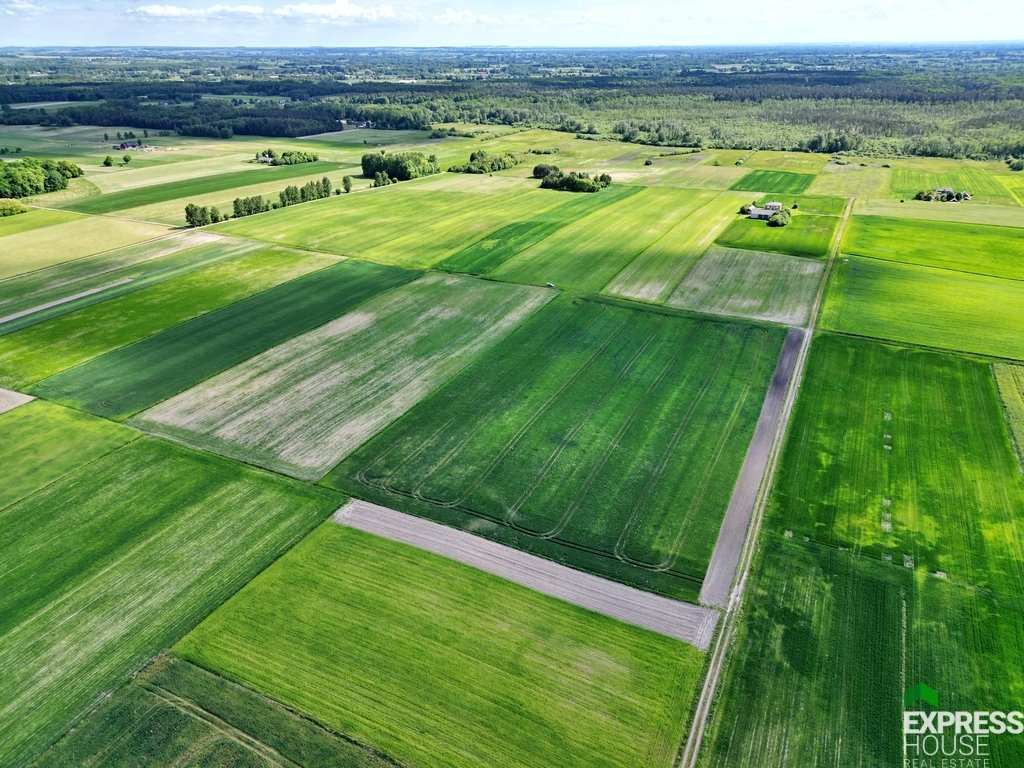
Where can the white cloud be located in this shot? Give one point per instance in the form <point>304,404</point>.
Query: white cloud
<point>343,11</point>
<point>211,12</point>
<point>459,18</point>
<point>19,8</point>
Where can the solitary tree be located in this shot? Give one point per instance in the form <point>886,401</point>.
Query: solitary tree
<point>346,183</point>
<point>108,161</point>
<point>127,159</point>
<point>106,137</point>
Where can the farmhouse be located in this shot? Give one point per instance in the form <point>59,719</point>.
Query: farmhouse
<point>766,212</point>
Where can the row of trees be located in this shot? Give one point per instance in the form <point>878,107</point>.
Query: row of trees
<point>311,190</point>
<point>30,176</point>
<point>552,177</point>
<point>201,215</point>
<point>483,161</point>
<point>288,157</point>
<point>399,166</point>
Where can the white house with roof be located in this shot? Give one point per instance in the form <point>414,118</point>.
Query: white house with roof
<point>767,212</point>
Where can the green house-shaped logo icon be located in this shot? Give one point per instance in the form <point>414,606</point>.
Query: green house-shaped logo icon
<point>920,693</point>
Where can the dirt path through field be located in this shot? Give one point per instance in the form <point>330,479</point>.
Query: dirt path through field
<point>683,621</point>
<point>9,400</point>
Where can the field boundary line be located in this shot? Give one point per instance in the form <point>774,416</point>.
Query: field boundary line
<point>691,749</point>
<point>934,266</point>
<point>687,622</point>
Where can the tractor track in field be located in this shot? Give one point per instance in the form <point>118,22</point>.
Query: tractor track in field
<point>684,621</point>
<point>719,652</point>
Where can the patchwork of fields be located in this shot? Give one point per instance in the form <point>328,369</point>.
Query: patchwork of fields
<point>578,376</point>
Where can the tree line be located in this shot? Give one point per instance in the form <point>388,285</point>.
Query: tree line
<point>201,215</point>
<point>398,166</point>
<point>553,177</point>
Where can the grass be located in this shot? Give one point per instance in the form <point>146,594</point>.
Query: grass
<point>805,235</point>
<point>1010,380</point>
<point>47,293</point>
<point>763,286</point>
<point>603,437</point>
<point>828,642</point>
<point>588,253</point>
<point>790,162</point>
<point>35,218</point>
<point>58,243</point>
<point>983,250</point>
<point>161,536</point>
<point>302,406</point>
<point>996,215</point>
<point>654,274</point>
<point>782,182</point>
<point>176,713</point>
<point>42,350</point>
<point>189,188</point>
<point>904,455</point>
<point>439,664</point>
<point>863,183</point>
<point>41,442</point>
<point>130,379</point>
<point>934,307</point>
<point>958,175</point>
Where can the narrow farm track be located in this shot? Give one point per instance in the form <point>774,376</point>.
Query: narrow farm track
<point>691,750</point>
<point>9,399</point>
<point>683,621</point>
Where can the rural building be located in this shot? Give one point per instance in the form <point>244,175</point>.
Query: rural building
<point>765,213</point>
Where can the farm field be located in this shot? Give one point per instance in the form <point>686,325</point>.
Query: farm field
<point>438,664</point>
<point>904,455</point>
<point>922,305</point>
<point>41,442</point>
<point>656,271</point>
<point>983,250</point>
<point>34,219</point>
<point>781,182</point>
<point>65,241</point>
<point>303,405</point>
<point>806,235</point>
<point>38,351</point>
<point>45,293</point>
<point>162,535</point>
<point>865,184</point>
<point>1010,380</point>
<point>130,379</point>
<point>829,641</point>
<point>762,286</point>
<point>591,251</point>
<point>909,177</point>
<point>995,215</point>
<point>790,162</point>
<point>176,713</point>
<point>602,437</point>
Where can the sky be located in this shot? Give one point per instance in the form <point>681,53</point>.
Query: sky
<point>565,23</point>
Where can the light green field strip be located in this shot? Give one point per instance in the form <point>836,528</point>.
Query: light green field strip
<point>40,442</point>
<point>762,286</point>
<point>960,176</point>
<point>62,288</point>
<point>1010,379</point>
<point>304,405</point>
<point>792,162</point>
<point>903,455</point>
<point>655,273</point>
<point>935,307</point>
<point>38,351</point>
<point>104,568</point>
<point>26,251</point>
<point>829,641</point>
<point>35,218</point>
<point>862,183</point>
<point>1014,183</point>
<point>439,664</point>
<point>963,213</point>
<point>591,251</point>
<point>983,250</point>
<point>164,173</point>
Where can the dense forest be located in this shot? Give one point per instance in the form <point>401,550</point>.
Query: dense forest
<point>917,100</point>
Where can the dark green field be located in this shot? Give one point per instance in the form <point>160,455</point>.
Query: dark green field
<point>805,235</point>
<point>781,182</point>
<point>127,380</point>
<point>605,437</point>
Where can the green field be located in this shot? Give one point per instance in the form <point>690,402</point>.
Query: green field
<point>591,251</point>
<point>852,180</point>
<point>793,162</point>
<point>829,641</point>
<point>763,286</point>
<point>130,379</point>
<point>655,273</point>
<point>35,218</point>
<point>41,442</point>
<point>42,350</point>
<point>192,187</point>
<point>302,406</point>
<point>439,664</point>
<point>600,436</point>
<point>996,215</point>
<point>106,566</point>
<point>782,182</point>
<point>805,235</point>
<point>65,241</point>
<point>904,455</point>
<point>1010,380</point>
<point>176,714</point>
<point>926,175</point>
<point>994,251</point>
<point>934,307</point>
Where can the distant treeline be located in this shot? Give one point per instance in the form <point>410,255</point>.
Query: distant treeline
<point>201,215</point>
<point>29,176</point>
